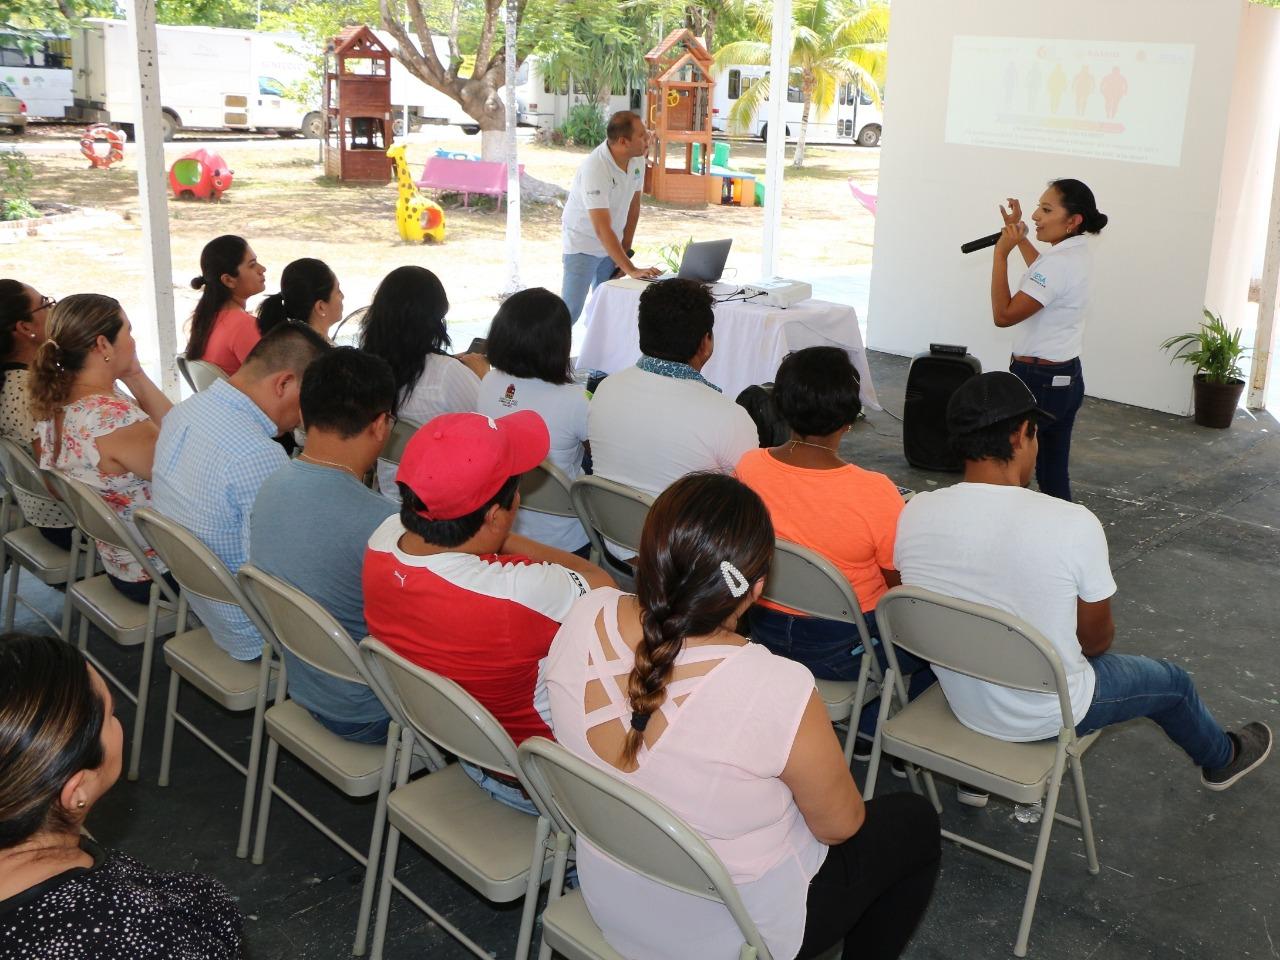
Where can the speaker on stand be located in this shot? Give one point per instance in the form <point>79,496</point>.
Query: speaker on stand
<point>931,380</point>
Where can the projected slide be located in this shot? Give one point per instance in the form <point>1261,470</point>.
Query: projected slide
<point>1105,99</point>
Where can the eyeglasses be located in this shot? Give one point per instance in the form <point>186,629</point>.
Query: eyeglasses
<point>46,303</point>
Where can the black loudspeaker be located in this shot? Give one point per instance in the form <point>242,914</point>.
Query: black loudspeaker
<point>932,379</point>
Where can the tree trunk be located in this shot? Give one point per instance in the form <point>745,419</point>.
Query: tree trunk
<point>480,99</point>
<point>798,160</point>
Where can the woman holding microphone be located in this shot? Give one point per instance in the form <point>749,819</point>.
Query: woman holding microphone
<point>1049,310</point>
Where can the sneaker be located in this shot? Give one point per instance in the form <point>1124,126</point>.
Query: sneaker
<point>971,796</point>
<point>862,747</point>
<point>898,768</point>
<point>1253,745</point>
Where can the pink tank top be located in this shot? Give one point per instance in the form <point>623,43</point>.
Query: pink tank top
<point>717,766</point>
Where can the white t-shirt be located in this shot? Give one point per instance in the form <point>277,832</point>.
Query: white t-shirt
<point>563,407</point>
<point>447,385</point>
<point>648,430</point>
<point>1059,280</point>
<point>1019,551</point>
<point>599,184</point>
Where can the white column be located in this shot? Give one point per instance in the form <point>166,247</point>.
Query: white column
<point>513,161</point>
<point>153,191</point>
<point>1264,339</point>
<point>775,150</point>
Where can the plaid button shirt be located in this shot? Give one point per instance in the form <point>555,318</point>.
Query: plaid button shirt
<point>214,452</point>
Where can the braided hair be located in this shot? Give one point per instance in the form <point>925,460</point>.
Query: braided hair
<point>700,522</point>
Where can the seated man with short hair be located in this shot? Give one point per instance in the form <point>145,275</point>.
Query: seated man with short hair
<point>990,540</point>
<point>449,587</point>
<point>215,450</point>
<point>313,517</point>
<point>650,424</point>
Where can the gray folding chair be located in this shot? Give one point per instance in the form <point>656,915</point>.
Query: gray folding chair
<point>636,831</point>
<point>808,582</point>
<point>124,621</point>
<point>199,374</point>
<point>994,646</point>
<point>30,551</point>
<point>546,489</point>
<point>482,842</point>
<point>192,655</point>
<point>611,511</point>
<point>401,433</point>
<point>310,633</point>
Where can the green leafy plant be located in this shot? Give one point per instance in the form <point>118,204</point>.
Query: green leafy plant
<point>16,175</point>
<point>671,254</point>
<point>584,125</point>
<point>1213,350</point>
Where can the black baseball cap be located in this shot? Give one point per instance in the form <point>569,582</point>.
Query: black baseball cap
<point>989,398</point>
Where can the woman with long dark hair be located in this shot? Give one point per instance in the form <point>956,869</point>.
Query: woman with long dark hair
<point>405,326</point>
<point>528,345</point>
<point>660,690</point>
<point>61,894</point>
<point>222,330</point>
<point>1049,310</point>
<point>309,293</point>
<point>24,314</point>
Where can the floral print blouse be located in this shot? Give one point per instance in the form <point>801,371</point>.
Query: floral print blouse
<point>83,421</point>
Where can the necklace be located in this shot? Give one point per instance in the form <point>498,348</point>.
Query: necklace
<point>818,446</point>
<point>327,463</point>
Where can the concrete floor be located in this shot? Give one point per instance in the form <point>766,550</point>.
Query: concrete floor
<point>1193,518</point>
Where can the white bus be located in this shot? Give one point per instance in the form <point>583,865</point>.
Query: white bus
<point>854,117</point>
<point>36,64</point>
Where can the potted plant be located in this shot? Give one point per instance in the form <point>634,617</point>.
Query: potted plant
<point>1218,382</point>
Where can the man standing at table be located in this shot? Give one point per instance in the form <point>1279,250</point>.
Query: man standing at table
<point>602,211</point>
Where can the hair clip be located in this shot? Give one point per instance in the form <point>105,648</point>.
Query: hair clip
<point>734,579</point>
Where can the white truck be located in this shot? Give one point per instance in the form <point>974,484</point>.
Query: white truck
<point>853,117</point>
<point>210,79</point>
<point>34,64</point>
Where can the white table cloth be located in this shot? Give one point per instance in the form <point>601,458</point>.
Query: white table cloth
<point>750,340</point>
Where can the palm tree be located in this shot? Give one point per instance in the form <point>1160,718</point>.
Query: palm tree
<point>830,45</point>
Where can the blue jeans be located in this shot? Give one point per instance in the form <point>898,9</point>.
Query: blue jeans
<point>1127,687</point>
<point>1052,474</point>
<point>372,731</point>
<point>583,272</point>
<point>833,651</point>
<point>500,790</point>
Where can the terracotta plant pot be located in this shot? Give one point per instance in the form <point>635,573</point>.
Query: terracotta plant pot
<point>1216,403</point>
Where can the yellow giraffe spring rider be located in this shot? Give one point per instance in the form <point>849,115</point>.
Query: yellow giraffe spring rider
<point>418,217</point>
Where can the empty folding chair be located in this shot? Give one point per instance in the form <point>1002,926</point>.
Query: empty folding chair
<point>635,830</point>
<point>192,655</point>
<point>30,551</point>
<point>615,512</point>
<point>311,634</point>
<point>401,432</point>
<point>199,374</point>
<point>483,842</point>
<point>126,622</point>
<point>808,582</point>
<point>994,646</point>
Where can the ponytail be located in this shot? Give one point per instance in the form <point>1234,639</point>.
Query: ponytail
<point>221,255</point>
<point>1078,199</point>
<point>303,284</point>
<point>707,538</point>
<point>74,327</point>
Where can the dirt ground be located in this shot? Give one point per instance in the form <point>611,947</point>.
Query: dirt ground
<point>286,209</point>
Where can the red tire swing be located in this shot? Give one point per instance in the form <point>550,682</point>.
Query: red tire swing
<point>89,146</point>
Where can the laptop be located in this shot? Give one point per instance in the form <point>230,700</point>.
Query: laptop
<point>701,261</point>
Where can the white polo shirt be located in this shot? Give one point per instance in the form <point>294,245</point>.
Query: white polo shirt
<point>599,184</point>
<point>1020,551</point>
<point>1059,281</point>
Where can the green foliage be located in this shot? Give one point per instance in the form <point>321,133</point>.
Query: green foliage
<point>16,175</point>
<point>1213,349</point>
<point>599,43</point>
<point>672,254</point>
<point>584,125</point>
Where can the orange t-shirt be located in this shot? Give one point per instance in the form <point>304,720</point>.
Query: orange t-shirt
<point>234,334</point>
<point>849,515</point>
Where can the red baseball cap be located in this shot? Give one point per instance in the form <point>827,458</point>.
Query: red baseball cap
<point>458,461</point>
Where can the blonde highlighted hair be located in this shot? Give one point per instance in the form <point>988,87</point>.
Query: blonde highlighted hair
<point>75,325</point>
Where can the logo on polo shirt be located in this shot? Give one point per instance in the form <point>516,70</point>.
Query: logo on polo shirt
<point>1040,278</point>
<point>399,576</point>
<point>508,398</point>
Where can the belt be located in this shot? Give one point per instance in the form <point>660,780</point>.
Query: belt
<point>1041,362</point>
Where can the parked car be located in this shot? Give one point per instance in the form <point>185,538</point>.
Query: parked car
<point>13,112</point>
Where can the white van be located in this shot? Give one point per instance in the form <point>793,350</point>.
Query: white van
<point>854,117</point>
<point>35,64</point>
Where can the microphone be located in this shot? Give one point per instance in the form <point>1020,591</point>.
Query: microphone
<point>980,244</point>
